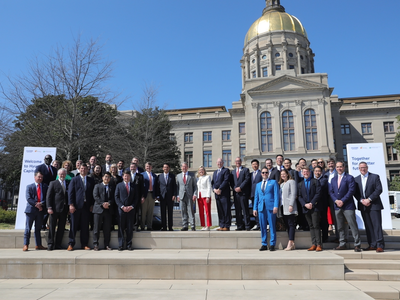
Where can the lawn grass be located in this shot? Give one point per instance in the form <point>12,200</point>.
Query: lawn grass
<point>6,226</point>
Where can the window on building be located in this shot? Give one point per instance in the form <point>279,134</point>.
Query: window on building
<point>172,136</point>
<point>189,158</point>
<point>366,128</point>
<point>189,137</point>
<point>344,152</point>
<point>345,128</point>
<point>207,159</point>
<point>242,128</point>
<point>291,67</point>
<point>242,150</point>
<point>310,121</point>
<point>288,130</point>
<point>334,145</point>
<point>391,152</point>
<point>333,123</point>
<point>254,74</point>
<point>207,136</point>
<point>265,72</point>
<point>277,54</point>
<point>393,174</point>
<point>388,126</point>
<point>303,71</point>
<point>226,157</point>
<point>226,135</point>
<point>291,54</point>
<point>278,67</point>
<point>266,132</point>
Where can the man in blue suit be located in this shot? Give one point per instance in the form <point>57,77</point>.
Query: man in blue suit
<point>266,202</point>
<point>80,200</point>
<point>35,207</point>
<point>221,188</point>
<point>255,177</point>
<point>368,191</point>
<point>342,189</point>
<point>150,181</point>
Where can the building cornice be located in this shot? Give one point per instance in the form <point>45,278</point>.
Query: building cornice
<point>184,121</point>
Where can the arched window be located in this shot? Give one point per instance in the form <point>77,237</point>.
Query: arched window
<point>310,122</point>
<point>288,130</point>
<point>266,132</point>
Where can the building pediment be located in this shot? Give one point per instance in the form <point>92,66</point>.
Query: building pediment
<point>286,84</point>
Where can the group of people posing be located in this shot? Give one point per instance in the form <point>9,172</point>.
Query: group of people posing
<point>312,197</point>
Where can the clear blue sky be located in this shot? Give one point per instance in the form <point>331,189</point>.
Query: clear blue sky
<point>191,49</point>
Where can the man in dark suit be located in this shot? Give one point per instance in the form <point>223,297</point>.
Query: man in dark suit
<point>103,195</point>
<point>120,166</point>
<point>35,206</point>
<point>288,166</point>
<point>323,201</point>
<point>138,182</point>
<point>308,193</point>
<point>255,178</point>
<point>368,191</point>
<point>126,198</point>
<point>240,184</point>
<point>92,164</point>
<point>106,167</point>
<point>49,174</point>
<point>135,161</point>
<point>220,185</point>
<point>80,200</point>
<point>273,172</point>
<point>279,162</point>
<point>57,208</point>
<point>342,189</point>
<point>166,191</point>
<point>150,181</point>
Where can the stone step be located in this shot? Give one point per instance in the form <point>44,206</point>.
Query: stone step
<point>372,264</point>
<point>186,240</point>
<point>389,254</point>
<point>172,264</point>
<point>372,275</point>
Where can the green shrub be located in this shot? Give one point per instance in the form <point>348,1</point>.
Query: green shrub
<point>7,216</point>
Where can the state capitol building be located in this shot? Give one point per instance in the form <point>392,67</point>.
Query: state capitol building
<point>284,107</point>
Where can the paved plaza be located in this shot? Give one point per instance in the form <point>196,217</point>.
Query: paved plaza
<point>16,289</point>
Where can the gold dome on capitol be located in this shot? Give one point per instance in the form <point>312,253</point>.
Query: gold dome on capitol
<point>274,18</point>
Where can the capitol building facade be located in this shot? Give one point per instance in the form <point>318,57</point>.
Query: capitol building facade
<point>284,107</point>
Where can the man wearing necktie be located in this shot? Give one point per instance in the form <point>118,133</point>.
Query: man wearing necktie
<point>57,208</point>
<point>35,206</point>
<point>368,191</point>
<point>255,178</point>
<point>150,194</point>
<point>49,174</point>
<point>279,162</point>
<point>138,183</point>
<point>103,195</point>
<point>266,203</point>
<point>342,189</point>
<point>126,198</point>
<point>186,187</point>
<point>166,194</point>
<point>220,185</point>
<point>80,200</point>
<point>308,193</point>
<point>240,184</point>
<point>120,166</point>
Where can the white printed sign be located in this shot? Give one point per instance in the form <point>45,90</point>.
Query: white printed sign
<point>373,155</point>
<point>33,156</point>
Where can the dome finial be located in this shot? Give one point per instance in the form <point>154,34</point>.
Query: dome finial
<point>273,5</point>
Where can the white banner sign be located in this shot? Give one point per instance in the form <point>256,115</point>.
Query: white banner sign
<point>33,156</point>
<point>373,155</point>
